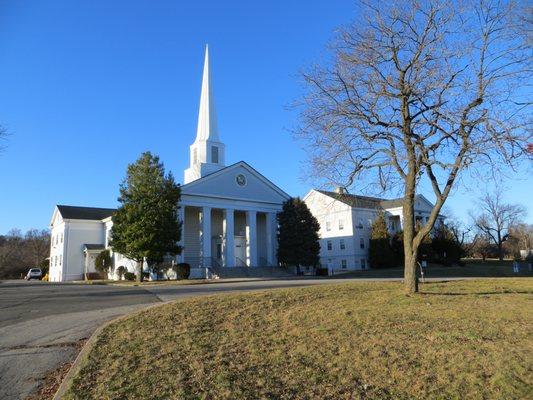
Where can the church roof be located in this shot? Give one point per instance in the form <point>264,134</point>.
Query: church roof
<point>363,201</point>
<point>89,213</point>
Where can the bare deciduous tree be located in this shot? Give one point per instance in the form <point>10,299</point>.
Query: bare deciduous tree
<point>419,90</point>
<point>462,234</point>
<point>520,239</point>
<point>482,246</point>
<point>19,252</point>
<point>37,243</point>
<point>494,218</point>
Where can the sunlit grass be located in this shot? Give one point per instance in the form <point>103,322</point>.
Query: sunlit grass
<point>456,340</point>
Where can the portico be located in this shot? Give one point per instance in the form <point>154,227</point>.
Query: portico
<point>228,237</point>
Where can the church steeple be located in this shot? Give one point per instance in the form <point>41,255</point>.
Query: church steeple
<point>207,153</point>
<point>207,118</point>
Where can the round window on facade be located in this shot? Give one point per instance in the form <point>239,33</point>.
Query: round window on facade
<point>240,179</point>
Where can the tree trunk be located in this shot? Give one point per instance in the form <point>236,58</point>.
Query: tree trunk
<point>500,246</point>
<point>139,271</point>
<point>410,273</point>
<point>410,252</point>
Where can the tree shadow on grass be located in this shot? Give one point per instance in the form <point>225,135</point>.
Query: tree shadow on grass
<point>476,293</point>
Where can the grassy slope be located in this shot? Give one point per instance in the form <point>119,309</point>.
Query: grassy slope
<point>468,339</point>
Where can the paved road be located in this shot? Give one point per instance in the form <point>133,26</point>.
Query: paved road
<point>41,323</point>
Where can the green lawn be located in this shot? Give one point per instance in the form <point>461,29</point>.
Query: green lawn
<point>366,340</point>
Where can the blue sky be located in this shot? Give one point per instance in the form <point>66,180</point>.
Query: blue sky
<point>87,86</point>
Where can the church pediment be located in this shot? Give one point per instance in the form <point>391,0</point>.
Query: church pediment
<point>238,181</point>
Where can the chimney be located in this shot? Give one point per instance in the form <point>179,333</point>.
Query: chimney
<point>340,190</point>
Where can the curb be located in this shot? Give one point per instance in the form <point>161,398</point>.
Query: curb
<point>80,359</point>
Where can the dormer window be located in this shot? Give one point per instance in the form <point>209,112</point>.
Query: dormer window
<point>214,154</point>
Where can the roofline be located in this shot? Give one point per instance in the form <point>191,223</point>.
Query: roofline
<point>100,208</point>
<point>246,165</point>
<point>308,194</point>
<point>56,210</point>
<point>327,193</point>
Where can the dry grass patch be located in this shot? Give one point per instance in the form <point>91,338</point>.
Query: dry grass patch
<point>457,340</point>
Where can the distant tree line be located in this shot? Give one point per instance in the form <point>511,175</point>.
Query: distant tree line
<point>19,252</point>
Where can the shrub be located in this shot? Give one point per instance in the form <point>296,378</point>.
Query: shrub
<point>103,261</point>
<point>121,271</point>
<point>183,271</point>
<point>91,276</point>
<point>129,276</point>
<point>322,272</point>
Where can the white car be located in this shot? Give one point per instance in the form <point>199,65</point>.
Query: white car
<point>34,273</point>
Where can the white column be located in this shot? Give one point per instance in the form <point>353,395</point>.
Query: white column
<point>251,238</point>
<point>229,238</point>
<point>181,218</point>
<point>206,236</point>
<point>271,238</point>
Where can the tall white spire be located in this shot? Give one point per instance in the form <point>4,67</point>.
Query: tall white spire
<point>207,119</point>
<point>207,153</point>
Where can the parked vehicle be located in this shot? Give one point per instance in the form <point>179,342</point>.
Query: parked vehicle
<point>34,273</point>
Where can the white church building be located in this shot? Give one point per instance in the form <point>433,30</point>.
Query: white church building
<point>229,216</point>
<point>228,212</point>
<point>346,220</point>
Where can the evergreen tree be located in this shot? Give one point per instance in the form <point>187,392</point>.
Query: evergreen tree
<point>380,253</point>
<point>397,248</point>
<point>146,224</point>
<point>298,235</point>
<point>445,247</point>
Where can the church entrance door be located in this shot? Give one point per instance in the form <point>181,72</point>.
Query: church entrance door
<point>240,251</point>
